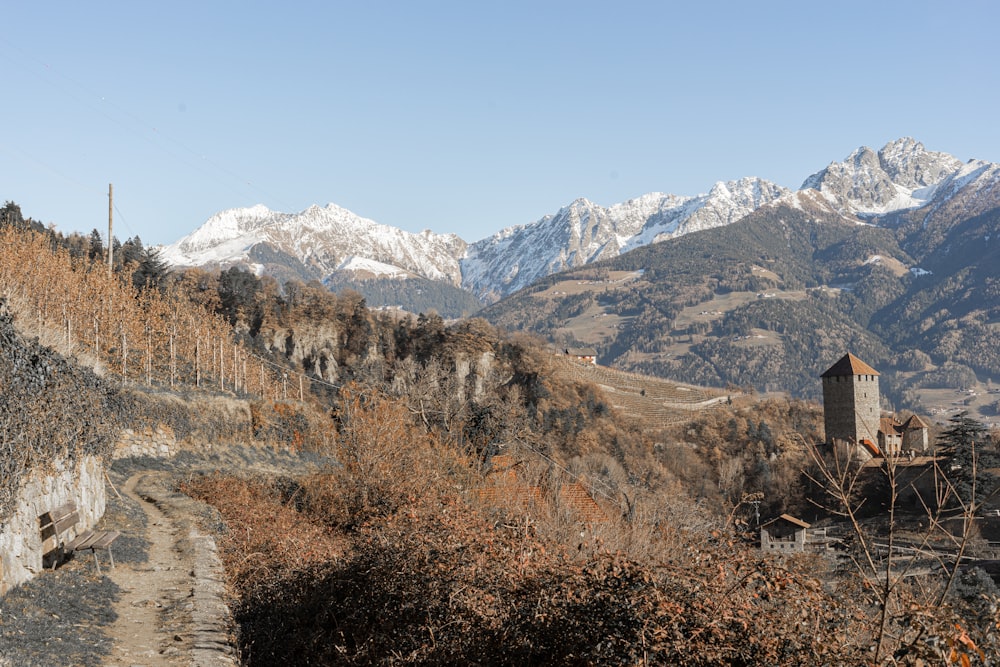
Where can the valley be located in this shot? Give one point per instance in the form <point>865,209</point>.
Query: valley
<point>450,490</point>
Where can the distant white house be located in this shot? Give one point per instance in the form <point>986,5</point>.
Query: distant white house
<point>585,354</point>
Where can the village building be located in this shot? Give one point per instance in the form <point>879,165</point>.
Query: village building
<point>890,436</point>
<point>915,435</point>
<point>585,354</point>
<point>852,415</point>
<point>787,534</point>
<point>506,490</point>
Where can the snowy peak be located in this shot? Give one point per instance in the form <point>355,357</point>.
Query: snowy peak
<point>910,165</point>
<point>583,232</point>
<point>320,242</point>
<point>724,204</point>
<point>319,238</point>
<point>903,174</point>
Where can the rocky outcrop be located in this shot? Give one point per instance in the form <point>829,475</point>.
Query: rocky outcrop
<point>903,174</point>
<point>313,349</point>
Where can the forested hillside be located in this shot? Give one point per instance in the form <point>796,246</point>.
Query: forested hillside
<point>770,301</point>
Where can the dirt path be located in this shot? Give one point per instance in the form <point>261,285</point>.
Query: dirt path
<point>171,610</point>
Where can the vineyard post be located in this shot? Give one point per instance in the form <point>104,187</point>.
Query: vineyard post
<point>111,238</point>
<point>149,357</point>
<point>124,354</point>
<point>173,353</point>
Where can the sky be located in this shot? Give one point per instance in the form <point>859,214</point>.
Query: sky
<point>465,117</point>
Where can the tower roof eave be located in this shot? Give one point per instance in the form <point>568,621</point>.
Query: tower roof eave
<point>849,365</point>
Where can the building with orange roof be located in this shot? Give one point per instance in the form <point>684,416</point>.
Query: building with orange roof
<point>852,413</point>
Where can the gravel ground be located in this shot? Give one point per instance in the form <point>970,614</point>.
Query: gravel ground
<point>58,618</point>
<point>61,617</point>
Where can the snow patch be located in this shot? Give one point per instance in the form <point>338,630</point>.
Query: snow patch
<point>355,263</point>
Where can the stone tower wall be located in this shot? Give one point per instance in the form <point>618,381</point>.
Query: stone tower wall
<point>851,407</point>
<point>915,439</point>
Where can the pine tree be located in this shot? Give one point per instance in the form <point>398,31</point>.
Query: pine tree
<point>966,438</point>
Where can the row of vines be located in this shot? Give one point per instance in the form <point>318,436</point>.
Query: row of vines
<point>145,336</point>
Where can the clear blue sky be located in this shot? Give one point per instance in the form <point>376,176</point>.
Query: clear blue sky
<point>464,116</point>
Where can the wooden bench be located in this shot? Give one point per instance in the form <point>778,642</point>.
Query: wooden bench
<point>56,523</point>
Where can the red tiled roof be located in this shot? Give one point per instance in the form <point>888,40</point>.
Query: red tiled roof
<point>889,425</point>
<point>871,447</point>
<point>512,496</point>
<point>576,498</point>
<point>788,518</point>
<point>914,422</point>
<point>849,365</point>
<point>503,489</point>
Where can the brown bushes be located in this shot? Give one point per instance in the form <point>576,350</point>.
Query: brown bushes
<point>387,560</point>
<point>437,583</point>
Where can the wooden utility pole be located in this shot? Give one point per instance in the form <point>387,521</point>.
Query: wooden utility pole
<point>111,238</point>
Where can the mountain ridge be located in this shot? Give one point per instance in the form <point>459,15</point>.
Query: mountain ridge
<point>314,244</point>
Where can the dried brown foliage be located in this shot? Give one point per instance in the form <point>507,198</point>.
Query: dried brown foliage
<point>50,410</point>
<point>392,559</point>
<point>169,338</point>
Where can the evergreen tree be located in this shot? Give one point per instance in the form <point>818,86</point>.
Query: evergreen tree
<point>10,215</point>
<point>238,290</point>
<point>97,252</point>
<point>966,438</point>
<point>150,271</point>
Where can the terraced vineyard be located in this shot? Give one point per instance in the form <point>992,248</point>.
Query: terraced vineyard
<point>655,400</point>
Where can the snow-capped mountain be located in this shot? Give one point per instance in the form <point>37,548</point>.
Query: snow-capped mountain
<point>584,232</point>
<point>323,240</point>
<point>902,175</point>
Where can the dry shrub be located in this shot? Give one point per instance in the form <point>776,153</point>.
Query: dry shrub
<point>386,462</point>
<point>267,535</point>
<point>438,582</point>
<point>295,425</point>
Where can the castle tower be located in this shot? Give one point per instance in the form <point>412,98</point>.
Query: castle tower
<point>851,401</point>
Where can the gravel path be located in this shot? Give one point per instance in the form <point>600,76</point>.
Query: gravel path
<point>161,598</point>
<point>164,603</point>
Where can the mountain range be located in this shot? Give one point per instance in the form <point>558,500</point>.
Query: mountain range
<point>333,244</point>
<point>893,254</point>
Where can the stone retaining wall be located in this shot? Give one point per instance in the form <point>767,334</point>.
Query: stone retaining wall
<point>20,536</point>
<point>159,442</point>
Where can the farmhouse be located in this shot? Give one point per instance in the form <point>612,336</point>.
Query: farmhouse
<point>584,354</point>
<point>787,534</point>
